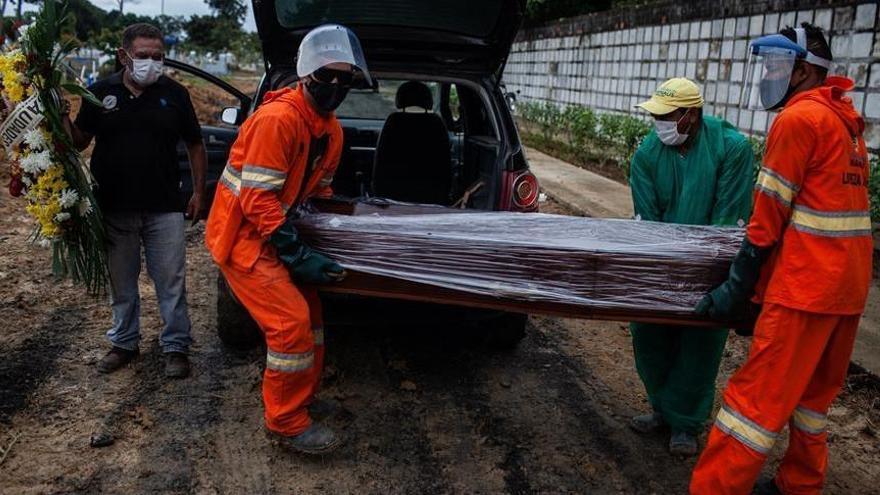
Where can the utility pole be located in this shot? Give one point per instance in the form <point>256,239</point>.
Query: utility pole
<point>163,7</point>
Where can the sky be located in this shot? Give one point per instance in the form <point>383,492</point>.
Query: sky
<point>172,7</point>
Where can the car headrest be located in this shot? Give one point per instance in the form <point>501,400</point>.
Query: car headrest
<point>414,94</point>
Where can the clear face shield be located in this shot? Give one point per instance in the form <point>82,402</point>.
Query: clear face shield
<point>332,44</point>
<point>767,77</point>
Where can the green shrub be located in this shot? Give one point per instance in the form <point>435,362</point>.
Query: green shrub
<point>605,137</point>
<point>609,127</point>
<point>581,125</point>
<point>758,148</point>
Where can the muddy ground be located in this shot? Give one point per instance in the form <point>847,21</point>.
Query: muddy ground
<point>426,409</point>
<point>423,414</point>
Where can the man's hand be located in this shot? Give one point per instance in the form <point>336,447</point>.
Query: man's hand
<point>315,268</point>
<point>729,301</point>
<point>195,208</point>
<point>306,265</point>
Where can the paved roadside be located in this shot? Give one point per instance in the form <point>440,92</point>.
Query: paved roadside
<point>592,195</point>
<point>577,189</point>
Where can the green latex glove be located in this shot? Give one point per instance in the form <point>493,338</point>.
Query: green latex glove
<point>306,265</point>
<point>315,268</point>
<point>730,300</point>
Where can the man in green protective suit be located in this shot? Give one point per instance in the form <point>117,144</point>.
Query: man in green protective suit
<point>691,169</point>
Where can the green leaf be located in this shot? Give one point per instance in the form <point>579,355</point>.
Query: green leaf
<point>78,90</point>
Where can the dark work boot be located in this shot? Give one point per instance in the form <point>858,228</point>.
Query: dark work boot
<point>176,365</point>
<point>766,487</point>
<point>321,409</point>
<point>316,440</point>
<point>683,444</point>
<point>647,423</point>
<point>115,359</point>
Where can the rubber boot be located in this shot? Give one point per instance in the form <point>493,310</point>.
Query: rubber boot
<point>647,423</point>
<point>683,444</point>
<point>316,440</point>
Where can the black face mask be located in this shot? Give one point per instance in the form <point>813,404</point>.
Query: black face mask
<point>327,96</point>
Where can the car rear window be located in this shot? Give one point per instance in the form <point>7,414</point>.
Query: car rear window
<point>457,16</point>
<point>369,104</point>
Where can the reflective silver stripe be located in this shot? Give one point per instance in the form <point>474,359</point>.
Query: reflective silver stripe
<point>231,178</point>
<point>326,181</point>
<point>289,363</point>
<point>744,430</point>
<point>780,178</point>
<point>831,223</point>
<point>319,335</point>
<point>809,421</point>
<point>776,186</point>
<point>773,194</point>
<point>257,177</point>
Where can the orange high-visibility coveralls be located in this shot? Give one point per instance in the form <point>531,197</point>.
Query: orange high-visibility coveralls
<point>811,203</point>
<point>261,181</point>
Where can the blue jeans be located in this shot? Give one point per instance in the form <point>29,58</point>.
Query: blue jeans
<point>164,243</point>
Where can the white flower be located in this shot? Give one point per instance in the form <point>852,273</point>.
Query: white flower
<point>23,32</point>
<point>69,198</point>
<point>85,207</point>
<point>45,243</point>
<point>36,163</point>
<point>62,217</point>
<point>35,140</point>
<point>27,180</point>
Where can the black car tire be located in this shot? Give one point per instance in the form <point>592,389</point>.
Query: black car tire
<point>235,327</point>
<point>504,332</point>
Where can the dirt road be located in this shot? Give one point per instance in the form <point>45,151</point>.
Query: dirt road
<point>423,414</point>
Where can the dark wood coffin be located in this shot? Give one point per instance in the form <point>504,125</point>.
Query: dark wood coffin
<point>529,263</point>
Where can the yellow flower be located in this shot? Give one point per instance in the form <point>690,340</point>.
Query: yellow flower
<point>44,200</point>
<point>12,67</point>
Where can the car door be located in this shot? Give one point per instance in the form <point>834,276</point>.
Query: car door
<point>218,139</point>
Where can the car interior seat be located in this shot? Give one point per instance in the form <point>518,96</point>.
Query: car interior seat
<point>412,161</point>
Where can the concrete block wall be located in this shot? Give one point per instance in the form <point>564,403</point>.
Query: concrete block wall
<point>611,61</point>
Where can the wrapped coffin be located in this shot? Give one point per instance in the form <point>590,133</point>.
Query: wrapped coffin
<point>529,263</point>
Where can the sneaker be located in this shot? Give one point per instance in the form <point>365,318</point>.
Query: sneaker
<point>646,423</point>
<point>321,409</point>
<point>316,440</point>
<point>766,487</point>
<point>176,365</point>
<point>683,444</point>
<point>115,359</point>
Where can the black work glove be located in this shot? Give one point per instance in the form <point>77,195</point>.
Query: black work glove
<point>730,300</point>
<point>305,264</point>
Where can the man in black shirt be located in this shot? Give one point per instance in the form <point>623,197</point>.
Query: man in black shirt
<point>142,117</point>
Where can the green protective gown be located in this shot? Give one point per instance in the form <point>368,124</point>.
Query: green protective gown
<point>710,185</point>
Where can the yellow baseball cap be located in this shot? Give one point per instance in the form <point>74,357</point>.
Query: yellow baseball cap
<point>675,93</point>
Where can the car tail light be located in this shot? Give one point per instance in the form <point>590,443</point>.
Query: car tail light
<point>521,191</point>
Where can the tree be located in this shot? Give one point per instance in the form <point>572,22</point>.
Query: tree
<point>171,25</point>
<point>210,33</point>
<point>121,4</point>
<point>541,11</point>
<point>230,10</point>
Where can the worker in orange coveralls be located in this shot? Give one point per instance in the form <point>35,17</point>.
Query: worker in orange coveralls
<point>807,259</point>
<point>286,152</point>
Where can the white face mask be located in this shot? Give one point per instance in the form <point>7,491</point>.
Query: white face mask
<point>668,133</point>
<point>145,71</point>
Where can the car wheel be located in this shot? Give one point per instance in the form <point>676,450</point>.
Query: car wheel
<point>235,327</point>
<point>504,332</point>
